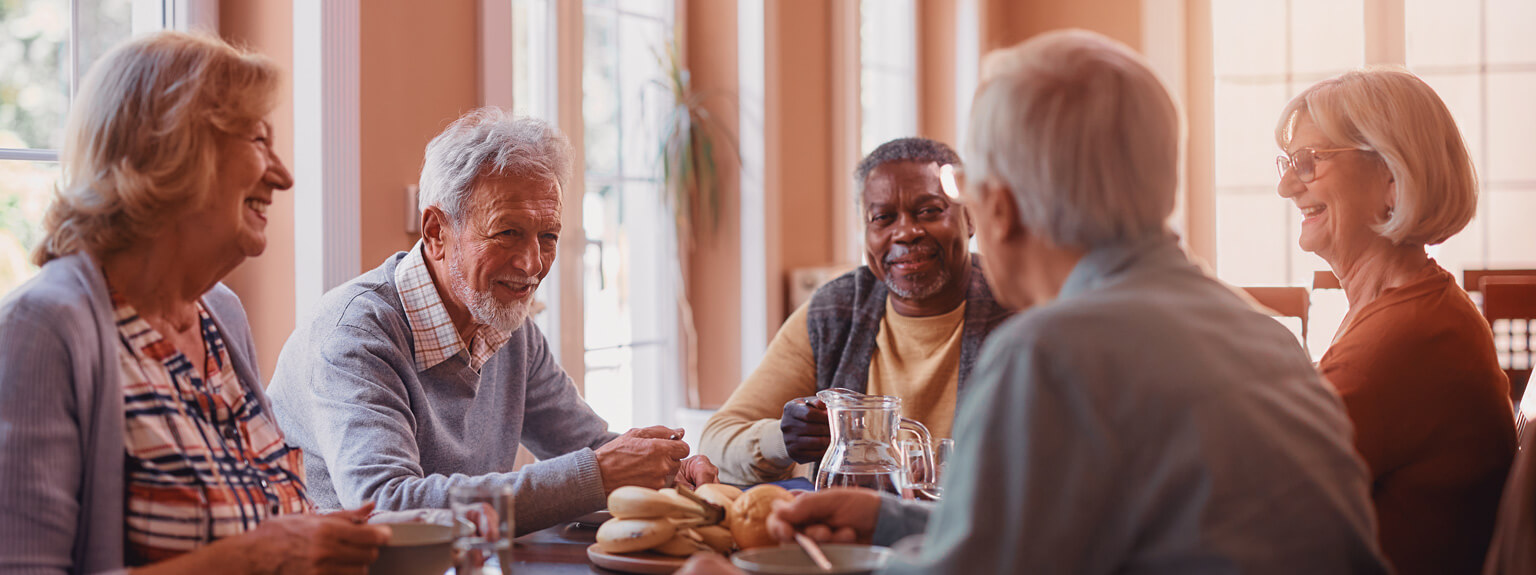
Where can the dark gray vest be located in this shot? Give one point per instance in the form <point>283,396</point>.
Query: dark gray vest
<point>844,319</point>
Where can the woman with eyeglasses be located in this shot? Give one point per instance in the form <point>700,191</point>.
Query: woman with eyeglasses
<point>1376,165</point>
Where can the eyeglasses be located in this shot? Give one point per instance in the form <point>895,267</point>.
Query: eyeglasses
<point>1304,161</point>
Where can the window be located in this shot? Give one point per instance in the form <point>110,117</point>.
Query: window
<point>1266,53</point>
<point>535,91</point>
<point>46,47</point>
<point>1479,57</point>
<point>887,72</point>
<point>630,271</point>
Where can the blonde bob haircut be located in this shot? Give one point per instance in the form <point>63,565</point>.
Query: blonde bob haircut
<point>140,145</point>
<point>1083,133</point>
<point>1390,111</point>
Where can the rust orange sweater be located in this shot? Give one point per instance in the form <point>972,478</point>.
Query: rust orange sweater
<point>1418,373</point>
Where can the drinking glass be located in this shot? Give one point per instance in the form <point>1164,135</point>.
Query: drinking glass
<point>920,481</point>
<point>483,528</point>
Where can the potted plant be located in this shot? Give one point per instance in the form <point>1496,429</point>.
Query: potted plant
<point>690,139</point>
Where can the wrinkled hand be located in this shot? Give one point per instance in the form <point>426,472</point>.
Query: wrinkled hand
<point>315,544</point>
<point>646,457</point>
<point>839,515</point>
<point>708,564</point>
<point>696,471</point>
<point>806,431</point>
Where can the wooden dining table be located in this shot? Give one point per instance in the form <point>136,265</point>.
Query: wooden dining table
<point>561,549</point>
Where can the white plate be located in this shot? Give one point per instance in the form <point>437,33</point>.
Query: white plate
<point>644,562</point>
<point>594,518</point>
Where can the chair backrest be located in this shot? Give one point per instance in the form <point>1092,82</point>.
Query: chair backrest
<point>1509,304</point>
<point>1284,302</point>
<point>1324,279</point>
<point>1472,280</point>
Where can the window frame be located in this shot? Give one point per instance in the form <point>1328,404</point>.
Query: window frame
<point>147,16</point>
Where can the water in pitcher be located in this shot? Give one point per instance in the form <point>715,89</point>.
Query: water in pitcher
<point>879,477</point>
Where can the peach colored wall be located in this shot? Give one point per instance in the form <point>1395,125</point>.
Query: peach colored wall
<point>936,21</point>
<point>418,73</point>
<point>266,284</point>
<point>799,147</point>
<point>715,267</point>
<point>1009,22</point>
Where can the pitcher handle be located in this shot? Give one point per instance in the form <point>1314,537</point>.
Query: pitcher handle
<point>924,442</point>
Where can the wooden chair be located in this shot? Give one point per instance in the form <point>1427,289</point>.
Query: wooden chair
<point>1472,280</point>
<point>1509,304</point>
<point>1284,302</point>
<point>1324,279</point>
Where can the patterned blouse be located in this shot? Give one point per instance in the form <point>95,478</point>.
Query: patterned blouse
<point>203,462</point>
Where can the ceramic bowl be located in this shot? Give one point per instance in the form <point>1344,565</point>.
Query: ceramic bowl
<point>792,560</point>
<point>415,549</point>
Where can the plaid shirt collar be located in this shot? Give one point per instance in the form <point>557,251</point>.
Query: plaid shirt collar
<point>436,339</point>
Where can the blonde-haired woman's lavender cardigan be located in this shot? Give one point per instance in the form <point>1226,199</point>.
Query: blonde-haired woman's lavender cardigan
<point>61,418</point>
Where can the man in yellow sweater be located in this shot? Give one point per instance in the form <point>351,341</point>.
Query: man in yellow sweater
<point>909,324</point>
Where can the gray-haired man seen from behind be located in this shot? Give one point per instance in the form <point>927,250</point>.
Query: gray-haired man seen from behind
<point>1139,418</point>
<point>423,374</point>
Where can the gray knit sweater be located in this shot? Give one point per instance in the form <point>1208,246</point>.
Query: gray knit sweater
<point>347,391</point>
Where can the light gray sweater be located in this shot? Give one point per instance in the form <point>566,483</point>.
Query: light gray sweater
<point>373,428</point>
<point>1146,422</point>
<point>61,418</point>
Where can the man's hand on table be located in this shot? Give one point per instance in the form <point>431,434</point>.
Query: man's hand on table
<point>696,471</point>
<point>646,457</point>
<point>839,515</point>
<point>806,431</point>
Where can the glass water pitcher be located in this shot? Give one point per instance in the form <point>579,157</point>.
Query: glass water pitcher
<point>864,451</point>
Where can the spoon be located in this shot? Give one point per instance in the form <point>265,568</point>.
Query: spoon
<point>814,551</point>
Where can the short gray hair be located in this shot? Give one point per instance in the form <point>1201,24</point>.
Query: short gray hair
<point>1395,114</point>
<point>921,150</point>
<point>490,142</point>
<point>1083,133</point>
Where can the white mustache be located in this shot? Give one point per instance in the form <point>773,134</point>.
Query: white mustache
<point>922,250</point>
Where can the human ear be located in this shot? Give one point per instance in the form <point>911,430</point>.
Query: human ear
<point>434,232</point>
<point>999,208</point>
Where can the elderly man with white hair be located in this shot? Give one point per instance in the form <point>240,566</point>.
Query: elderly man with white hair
<point>1140,417</point>
<point>422,374</point>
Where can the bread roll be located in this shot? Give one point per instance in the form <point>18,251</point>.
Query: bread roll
<point>627,535</point>
<point>749,515</point>
<point>716,537</point>
<point>718,493</point>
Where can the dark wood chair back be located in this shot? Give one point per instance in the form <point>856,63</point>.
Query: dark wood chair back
<point>1472,280</point>
<point>1324,279</point>
<point>1509,304</point>
<point>1285,302</point>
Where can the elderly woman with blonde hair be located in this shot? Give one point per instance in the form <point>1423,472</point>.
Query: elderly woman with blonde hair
<point>1375,163</point>
<point>133,428</point>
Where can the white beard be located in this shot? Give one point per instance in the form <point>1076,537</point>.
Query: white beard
<point>483,305</point>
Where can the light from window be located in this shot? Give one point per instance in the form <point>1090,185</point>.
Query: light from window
<point>629,264</point>
<point>1480,56</point>
<point>888,72</point>
<point>43,63</point>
